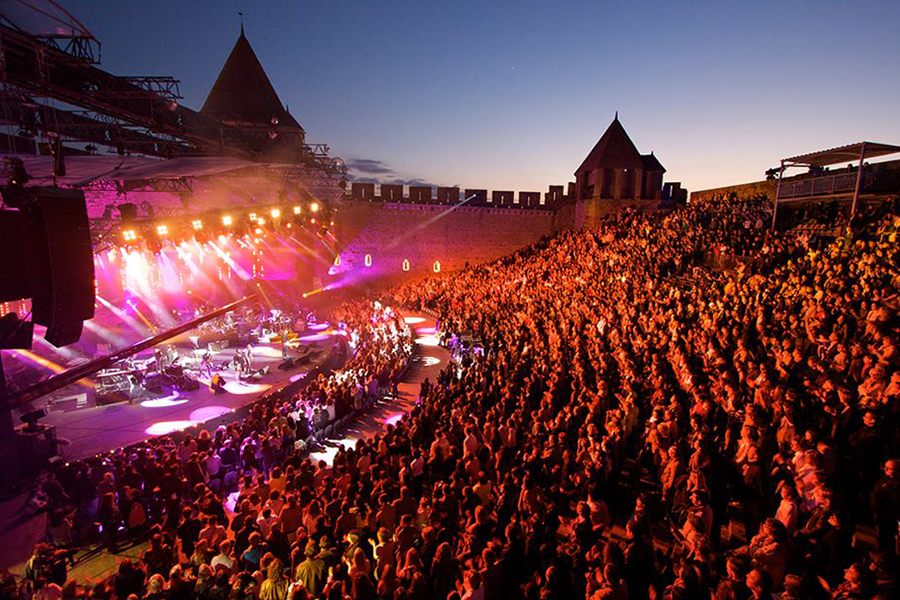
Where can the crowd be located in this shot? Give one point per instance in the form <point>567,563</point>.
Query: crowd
<point>639,426</point>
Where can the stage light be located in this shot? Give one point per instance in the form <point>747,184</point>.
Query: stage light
<point>275,212</point>
<point>198,224</point>
<point>129,235</point>
<point>298,210</point>
<point>313,221</point>
<point>260,221</point>
<point>337,260</point>
<point>437,266</point>
<point>314,206</point>
<point>368,260</point>
<point>223,238</point>
<point>162,229</point>
<point>227,221</point>
<point>259,231</point>
<point>406,264</point>
<point>252,216</point>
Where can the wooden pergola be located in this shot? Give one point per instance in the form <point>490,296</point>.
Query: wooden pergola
<point>829,186</point>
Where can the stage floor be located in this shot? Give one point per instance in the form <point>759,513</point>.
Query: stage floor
<point>95,429</point>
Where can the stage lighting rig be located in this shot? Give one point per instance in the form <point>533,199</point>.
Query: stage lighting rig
<point>316,216</point>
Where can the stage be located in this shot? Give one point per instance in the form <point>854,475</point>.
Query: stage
<point>87,429</point>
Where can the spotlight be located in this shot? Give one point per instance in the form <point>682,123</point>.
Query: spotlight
<point>298,210</point>
<point>314,206</point>
<point>129,235</point>
<point>275,213</point>
<point>198,224</point>
<point>252,216</point>
<point>259,231</point>
<point>162,229</point>
<point>223,239</point>
<point>260,221</point>
<point>227,221</point>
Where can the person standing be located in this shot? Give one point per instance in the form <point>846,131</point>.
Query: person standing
<point>885,503</point>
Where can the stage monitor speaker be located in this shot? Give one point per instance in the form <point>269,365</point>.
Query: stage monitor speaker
<point>45,255</point>
<point>34,416</point>
<point>115,397</point>
<point>187,384</point>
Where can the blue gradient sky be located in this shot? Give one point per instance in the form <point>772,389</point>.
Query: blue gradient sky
<point>513,95</point>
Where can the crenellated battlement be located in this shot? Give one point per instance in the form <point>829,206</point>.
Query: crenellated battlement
<point>555,196</point>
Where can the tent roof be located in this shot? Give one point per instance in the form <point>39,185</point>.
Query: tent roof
<point>42,18</point>
<point>83,169</point>
<point>843,154</point>
<point>243,91</point>
<point>614,150</point>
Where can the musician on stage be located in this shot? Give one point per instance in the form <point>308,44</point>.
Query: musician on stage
<point>248,353</point>
<point>242,360</point>
<point>206,364</point>
<point>135,381</point>
<point>217,383</point>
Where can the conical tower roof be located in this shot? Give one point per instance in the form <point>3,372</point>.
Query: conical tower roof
<point>614,150</point>
<point>243,93</point>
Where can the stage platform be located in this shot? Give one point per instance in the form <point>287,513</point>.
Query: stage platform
<point>88,429</point>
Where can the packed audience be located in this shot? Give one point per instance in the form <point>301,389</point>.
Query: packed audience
<point>642,423</point>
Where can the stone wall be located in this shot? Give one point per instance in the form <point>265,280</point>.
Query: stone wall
<point>410,239</point>
<point>753,188</point>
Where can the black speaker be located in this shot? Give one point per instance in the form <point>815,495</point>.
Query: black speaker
<point>32,417</point>
<point>66,298</point>
<point>187,384</point>
<point>45,254</point>
<point>113,397</point>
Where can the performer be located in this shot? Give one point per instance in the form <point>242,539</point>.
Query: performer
<point>241,361</point>
<point>206,364</point>
<point>135,381</point>
<point>217,383</point>
<point>249,357</point>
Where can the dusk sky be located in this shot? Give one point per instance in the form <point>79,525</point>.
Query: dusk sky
<point>513,95</point>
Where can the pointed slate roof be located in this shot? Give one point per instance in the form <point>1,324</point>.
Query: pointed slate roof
<point>651,163</point>
<point>243,92</point>
<point>614,150</point>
